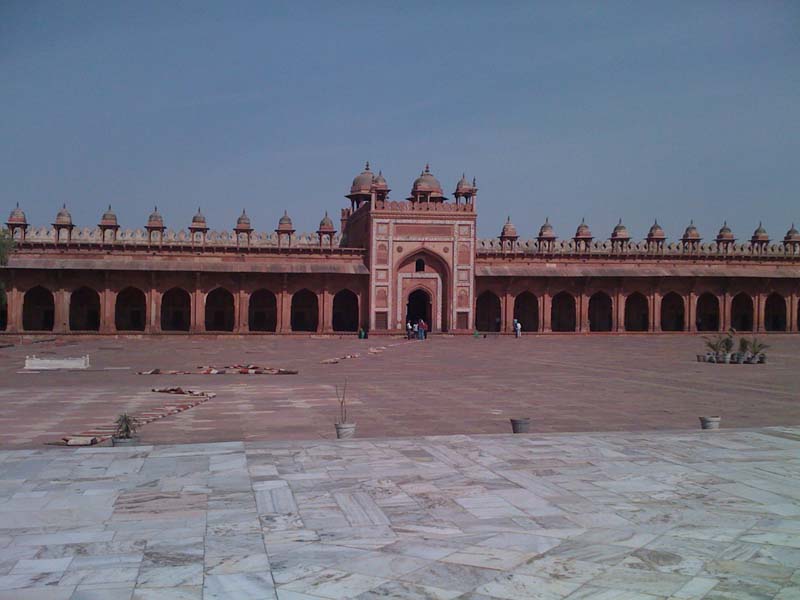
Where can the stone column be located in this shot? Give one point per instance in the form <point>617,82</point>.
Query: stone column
<point>725,320</point>
<point>759,306</point>
<point>284,310</point>
<point>198,324</point>
<point>153,313</point>
<point>791,315</point>
<point>108,299</point>
<point>655,324</point>
<point>243,314</point>
<point>325,303</point>
<point>691,312</point>
<point>547,312</point>
<point>15,300</point>
<point>507,306</point>
<point>618,311</point>
<point>583,312</point>
<point>61,313</point>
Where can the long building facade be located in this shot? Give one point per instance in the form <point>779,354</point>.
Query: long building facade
<point>388,262</point>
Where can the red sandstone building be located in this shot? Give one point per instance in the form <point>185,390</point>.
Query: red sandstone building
<point>391,261</point>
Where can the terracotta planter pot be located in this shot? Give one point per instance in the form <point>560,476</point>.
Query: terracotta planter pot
<point>344,431</point>
<point>710,422</point>
<point>521,425</point>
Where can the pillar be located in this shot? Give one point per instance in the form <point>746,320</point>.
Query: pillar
<point>791,317</point>
<point>284,311</point>
<point>583,312</point>
<point>325,305</point>
<point>507,308</point>
<point>540,304</point>
<point>108,299</point>
<point>61,312</point>
<point>690,314</point>
<point>242,311</point>
<point>725,316</point>
<point>14,297</point>
<point>759,302</point>
<point>655,323</point>
<point>547,310</point>
<point>618,311</point>
<point>198,324</point>
<point>153,316</point>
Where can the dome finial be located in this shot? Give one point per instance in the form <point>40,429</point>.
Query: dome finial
<point>620,221</point>
<point>427,168</point>
<point>366,167</point>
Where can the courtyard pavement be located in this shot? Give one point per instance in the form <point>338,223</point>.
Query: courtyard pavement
<point>445,385</point>
<point>610,516</point>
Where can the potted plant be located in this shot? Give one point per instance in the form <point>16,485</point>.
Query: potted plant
<point>344,429</point>
<point>757,348</point>
<point>727,348</point>
<point>124,435</point>
<point>714,347</point>
<point>743,352</point>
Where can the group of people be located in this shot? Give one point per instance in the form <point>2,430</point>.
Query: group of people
<point>418,330</point>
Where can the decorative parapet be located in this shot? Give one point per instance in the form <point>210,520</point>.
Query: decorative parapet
<point>178,238</point>
<point>406,206</point>
<point>607,248</point>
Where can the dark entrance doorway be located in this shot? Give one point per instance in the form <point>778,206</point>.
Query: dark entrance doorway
<point>707,313</point>
<point>600,312</point>
<point>220,312</point>
<point>263,311</point>
<point>672,312</point>
<point>775,313</point>
<point>419,307</point>
<point>526,311</point>
<point>487,312</point>
<point>84,310</point>
<point>345,311</point>
<point>130,310</point>
<point>305,311</point>
<point>38,310</point>
<point>636,313</point>
<point>562,312</point>
<point>742,312</point>
<point>176,308</point>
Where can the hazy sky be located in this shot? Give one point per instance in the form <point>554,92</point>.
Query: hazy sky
<point>674,110</point>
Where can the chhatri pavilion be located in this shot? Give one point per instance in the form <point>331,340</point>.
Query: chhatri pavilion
<point>387,262</point>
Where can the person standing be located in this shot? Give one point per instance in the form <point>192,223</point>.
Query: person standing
<point>408,330</point>
<point>423,326</point>
<point>415,330</point>
<point>517,328</point>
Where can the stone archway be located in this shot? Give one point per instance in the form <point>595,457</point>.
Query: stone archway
<point>84,310</point>
<point>742,312</point>
<point>220,311</point>
<point>672,312</point>
<point>562,312</point>
<point>176,310</point>
<point>637,313</point>
<point>419,306</point>
<point>38,309</point>
<point>775,313</point>
<point>130,310</point>
<point>600,312</point>
<point>262,312</point>
<point>526,311</point>
<point>707,312</point>
<point>487,312</point>
<point>305,311</point>
<point>422,268</point>
<point>345,311</point>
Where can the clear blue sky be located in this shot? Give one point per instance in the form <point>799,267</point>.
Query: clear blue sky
<point>674,110</point>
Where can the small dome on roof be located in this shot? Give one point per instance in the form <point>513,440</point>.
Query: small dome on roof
<point>509,231</point>
<point>792,235</point>
<point>464,187</point>
<point>725,234</point>
<point>362,184</point>
<point>243,222</point>
<point>691,232</point>
<point>546,230</point>
<point>426,182</point>
<point>109,218</point>
<point>198,220</point>
<point>17,216</point>
<point>656,232</point>
<point>620,232</point>
<point>583,231</point>
<point>379,183</point>
<point>285,222</point>
<point>155,220</point>
<point>63,217</point>
<point>760,234</point>
<point>326,225</point>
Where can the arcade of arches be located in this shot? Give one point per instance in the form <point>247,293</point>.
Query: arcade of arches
<point>275,309</point>
<point>183,309</point>
<point>601,311</point>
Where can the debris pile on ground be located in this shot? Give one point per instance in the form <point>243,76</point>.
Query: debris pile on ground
<point>229,370</point>
<point>335,360</point>
<point>102,433</point>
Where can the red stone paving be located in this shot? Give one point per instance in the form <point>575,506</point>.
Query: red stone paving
<point>446,385</point>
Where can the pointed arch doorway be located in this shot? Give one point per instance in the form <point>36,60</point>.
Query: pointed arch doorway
<point>419,306</point>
